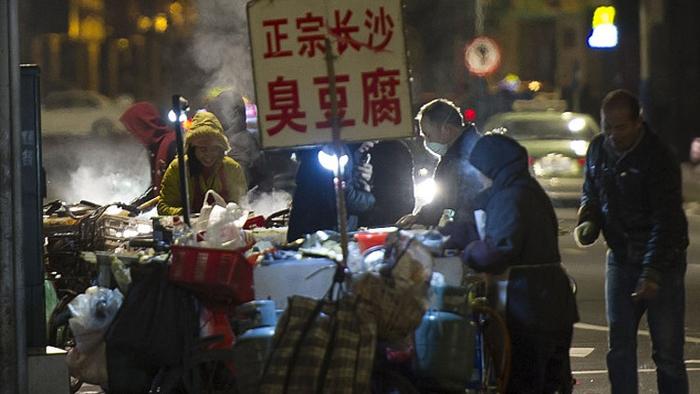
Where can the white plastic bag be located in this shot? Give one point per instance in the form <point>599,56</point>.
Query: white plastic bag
<point>90,367</point>
<point>92,313</point>
<point>208,210</point>
<point>225,229</point>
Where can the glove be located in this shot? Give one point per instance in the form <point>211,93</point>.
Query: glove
<point>586,233</point>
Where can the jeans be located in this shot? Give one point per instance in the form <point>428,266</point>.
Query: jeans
<point>665,316</point>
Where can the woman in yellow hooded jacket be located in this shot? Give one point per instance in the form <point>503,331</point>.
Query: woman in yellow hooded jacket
<point>209,168</point>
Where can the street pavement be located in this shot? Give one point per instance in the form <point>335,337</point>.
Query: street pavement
<point>590,335</point>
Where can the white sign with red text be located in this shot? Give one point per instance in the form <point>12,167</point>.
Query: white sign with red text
<point>291,81</point>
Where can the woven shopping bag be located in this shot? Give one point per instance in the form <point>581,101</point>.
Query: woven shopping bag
<point>350,361</point>
<point>320,346</point>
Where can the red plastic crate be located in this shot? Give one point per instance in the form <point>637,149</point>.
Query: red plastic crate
<point>214,274</point>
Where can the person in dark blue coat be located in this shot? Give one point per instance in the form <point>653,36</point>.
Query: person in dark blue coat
<point>520,240</point>
<point>314,201</point>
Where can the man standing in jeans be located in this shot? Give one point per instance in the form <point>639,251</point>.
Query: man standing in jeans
<point>632,192</point>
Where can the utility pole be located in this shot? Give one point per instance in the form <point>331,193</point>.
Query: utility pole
<point>13,348</point>
<point>478,17</point>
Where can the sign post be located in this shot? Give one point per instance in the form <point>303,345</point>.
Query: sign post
<point>339,178</point>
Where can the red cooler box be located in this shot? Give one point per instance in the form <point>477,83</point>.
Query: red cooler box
<point>215,274</point>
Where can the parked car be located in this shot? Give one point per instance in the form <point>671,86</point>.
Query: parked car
<point>557,144</point>
<point>81,112</point>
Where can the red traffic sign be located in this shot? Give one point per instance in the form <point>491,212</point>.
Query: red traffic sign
<point>482,56</point>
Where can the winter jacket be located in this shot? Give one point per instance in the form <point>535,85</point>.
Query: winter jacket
<point>636,200</point>
<point>144,122</point>
<point>228,180</point>
<point>314,202</point>
<point>521,233</point>
<point>456,180</point>
<point>392,184</point>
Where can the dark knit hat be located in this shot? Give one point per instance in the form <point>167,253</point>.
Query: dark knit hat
<point>494,152</point>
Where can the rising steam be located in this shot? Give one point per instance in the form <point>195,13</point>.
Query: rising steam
<point>97,170</point>
<point>267,203</point>
<point>220,45</point>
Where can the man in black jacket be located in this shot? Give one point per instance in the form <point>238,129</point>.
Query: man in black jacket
<point>446,135</point>
<point>392,184</point>
<point>521,234</point>
<point>632,192</point>
<point>314,201</point>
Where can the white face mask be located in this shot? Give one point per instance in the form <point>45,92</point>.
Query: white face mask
<point>437,148</point>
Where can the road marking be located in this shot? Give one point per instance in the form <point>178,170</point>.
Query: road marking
<point>594,327</point>
<point>580,351</point>
<point>574,251</point>
<point>605,371</point>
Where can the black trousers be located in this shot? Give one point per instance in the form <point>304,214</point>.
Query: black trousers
<point>540,362</point>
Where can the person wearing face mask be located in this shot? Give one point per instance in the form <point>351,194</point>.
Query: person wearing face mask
<point>209,168</point>
<point>446,135</point>
<point>520,241</point>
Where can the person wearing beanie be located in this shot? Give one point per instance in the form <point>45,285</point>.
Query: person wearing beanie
<point>143,121</point>
<point>520,241</point>
<point>209,168</point>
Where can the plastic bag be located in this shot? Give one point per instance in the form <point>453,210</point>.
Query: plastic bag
<point>396,290</point>
<point>90,367</point>
<point>406,260</point>
<point>225,228</point>
<point>51,300</point>
<point>206,212</point>
<point>92,313</point>
<point>121,273</point>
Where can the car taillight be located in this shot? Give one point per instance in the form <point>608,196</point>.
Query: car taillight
<point>582,161</point>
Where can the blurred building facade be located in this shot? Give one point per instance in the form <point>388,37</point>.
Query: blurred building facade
<point>136,47</point>
<point>546,41</point>
<point>111,47</point>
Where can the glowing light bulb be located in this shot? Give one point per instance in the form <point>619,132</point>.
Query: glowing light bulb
<point>330,162</point>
